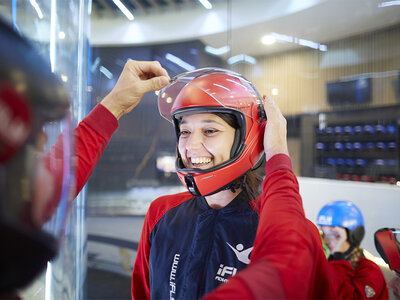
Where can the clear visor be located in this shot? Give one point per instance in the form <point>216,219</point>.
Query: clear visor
<point>233,91</point>
<point>39,180</point>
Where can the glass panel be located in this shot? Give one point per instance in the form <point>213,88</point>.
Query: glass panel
<point>59,31</point>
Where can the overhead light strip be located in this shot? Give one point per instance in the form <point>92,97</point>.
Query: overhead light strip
<point>388,3</point>
<point>217,51</point>
<point>37,8</point>
<point>106,72</point>
<point>206,4</point>
<point>241,58</point>
<point>124,10</point>
<point>53,17</point>
<point>295,40</point>
<point>180,62</point>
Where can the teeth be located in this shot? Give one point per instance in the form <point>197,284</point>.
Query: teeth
<point>200,160</point>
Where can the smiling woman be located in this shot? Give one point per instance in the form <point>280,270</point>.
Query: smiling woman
<point>219,126</point>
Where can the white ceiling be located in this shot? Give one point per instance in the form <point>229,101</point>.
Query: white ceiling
<point>239,23</point>
<point>246,22</point>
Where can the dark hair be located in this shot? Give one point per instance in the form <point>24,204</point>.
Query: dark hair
<point>252,183</point>
<point>228,118</point>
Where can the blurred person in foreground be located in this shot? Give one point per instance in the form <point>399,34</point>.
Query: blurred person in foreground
<point>38,179</point>
<point>353,275</point>
<point>387,243</point>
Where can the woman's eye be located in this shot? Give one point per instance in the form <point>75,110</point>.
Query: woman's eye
<point>210,131</point>
<point>183,133</point>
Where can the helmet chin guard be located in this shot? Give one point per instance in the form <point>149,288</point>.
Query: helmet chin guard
<point>212,90</point>
<point>387,243</point>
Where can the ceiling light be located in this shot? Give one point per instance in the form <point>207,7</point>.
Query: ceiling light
<point>95,64</point>
<point>268,40</point>
<point>323,47</point>
<point>206,4</point>
<point>61,35</point>
<point>241,58</point>
<point>388,3</point>
<point>282,37</point>
<point>124,10</point>
<point>90,7</point>
<point>180,62</point>
<point>274,92</point>
<point>37,8</point>
<point>106,72</point>
<point>296,40</point>
<point>217,51</point>
<point>53,36</point>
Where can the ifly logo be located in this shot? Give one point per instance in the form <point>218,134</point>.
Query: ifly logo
<point>324,220</point>
<point>225,271</point>
<point>172,277</point>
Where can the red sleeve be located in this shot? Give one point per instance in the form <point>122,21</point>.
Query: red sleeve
<point>261,278</point>
<point>91,137</point>
<point>286,256</point>
<point>366,281</point>
<point>140,276</point>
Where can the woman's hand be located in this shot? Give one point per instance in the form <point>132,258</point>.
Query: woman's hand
<point>336,239</point>
<point>275,140</point>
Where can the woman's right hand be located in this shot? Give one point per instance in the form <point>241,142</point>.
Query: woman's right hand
<point>275,140</point>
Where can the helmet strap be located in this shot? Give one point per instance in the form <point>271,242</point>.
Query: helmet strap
<point>238,183</point>
<point>191,185</point>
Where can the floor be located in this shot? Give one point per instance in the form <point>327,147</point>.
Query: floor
<point>112,244</point>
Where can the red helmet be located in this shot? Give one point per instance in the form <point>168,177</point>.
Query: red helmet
<point>387,243</point>
<point>212,90</point>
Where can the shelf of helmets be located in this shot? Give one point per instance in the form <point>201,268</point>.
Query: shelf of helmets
<point>360,152</point>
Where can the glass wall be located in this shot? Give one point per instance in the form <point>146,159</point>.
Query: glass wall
<point>335,79</point>
<point>333,67</point>
<point>59,30</point>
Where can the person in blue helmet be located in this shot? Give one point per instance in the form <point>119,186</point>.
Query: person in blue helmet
<point>353,275</point>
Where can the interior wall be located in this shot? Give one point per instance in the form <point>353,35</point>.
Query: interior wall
<point>301,75</point>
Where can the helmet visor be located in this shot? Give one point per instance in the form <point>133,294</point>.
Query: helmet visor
<point>230,91</point>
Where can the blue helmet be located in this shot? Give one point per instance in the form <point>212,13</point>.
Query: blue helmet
<point>343,214</point>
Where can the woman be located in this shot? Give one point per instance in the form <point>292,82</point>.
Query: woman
<point>192,242</point>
